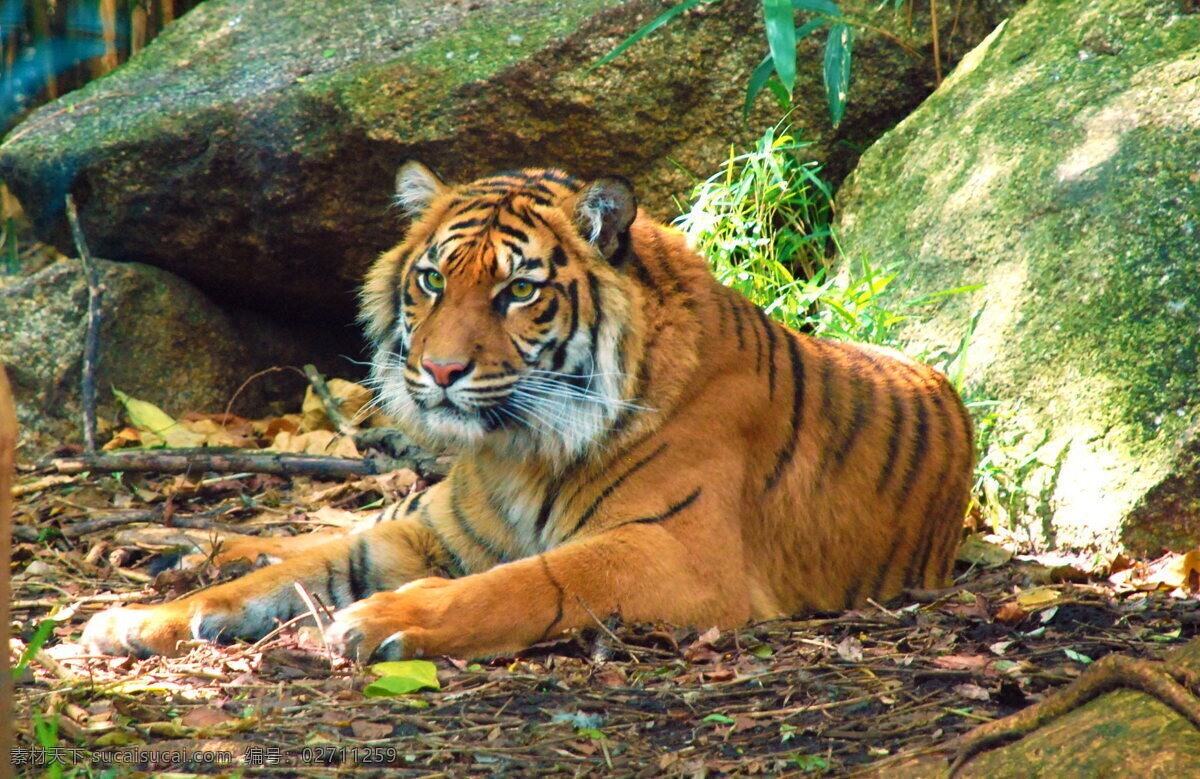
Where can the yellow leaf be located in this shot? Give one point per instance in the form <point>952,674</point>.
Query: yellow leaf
<point>149,418</point>
<point>977,551</point>
<point>352,397</point>
<point>1183,572</point>
<point>1037,597</point>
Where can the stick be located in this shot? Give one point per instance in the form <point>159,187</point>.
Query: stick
<point>91,344</point>
<point>185,460</point>
<point>391,440</point>
<point>120,518</point>
<point>333,407</point>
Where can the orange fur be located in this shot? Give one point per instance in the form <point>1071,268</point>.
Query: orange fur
<point>633,438</point>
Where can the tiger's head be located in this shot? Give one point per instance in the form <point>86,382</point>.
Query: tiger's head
<point>503,317</point>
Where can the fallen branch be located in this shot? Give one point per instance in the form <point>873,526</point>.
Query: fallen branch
<point>199,460</point>
<point>122,518</point>
<point>332,406</point>
<point>91,343</point>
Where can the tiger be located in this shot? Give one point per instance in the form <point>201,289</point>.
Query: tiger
<point>632,438</point>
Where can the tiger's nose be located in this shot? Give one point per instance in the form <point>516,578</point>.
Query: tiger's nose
<point>445,373</point>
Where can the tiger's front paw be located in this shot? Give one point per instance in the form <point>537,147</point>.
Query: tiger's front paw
<point>140,631</point>
<point>394,625</point>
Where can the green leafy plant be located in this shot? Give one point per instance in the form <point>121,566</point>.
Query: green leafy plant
<point>782,34</point>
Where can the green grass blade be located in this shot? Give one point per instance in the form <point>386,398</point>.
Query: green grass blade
<point>662,19</point>
<point>781,37</point>
<point>837,70</point>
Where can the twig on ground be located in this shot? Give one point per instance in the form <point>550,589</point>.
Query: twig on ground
<point>316,615</point>
<point>43,483</point>
<point>212,459</point>
<point>118,519</point>
<point>332,406</point>
<point>91,344</point>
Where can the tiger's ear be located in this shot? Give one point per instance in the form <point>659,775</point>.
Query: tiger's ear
<point>603,211</point>
<point>416,187</point>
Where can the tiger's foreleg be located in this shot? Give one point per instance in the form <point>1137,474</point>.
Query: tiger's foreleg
<point>337,572</point>
<point>640,571</point>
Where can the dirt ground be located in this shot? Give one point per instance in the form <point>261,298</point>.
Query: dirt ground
<point>832,694</point>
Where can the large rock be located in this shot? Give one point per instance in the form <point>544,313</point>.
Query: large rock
<point>1058,165</point>
<point>160,340</point>
<point>251,148</point>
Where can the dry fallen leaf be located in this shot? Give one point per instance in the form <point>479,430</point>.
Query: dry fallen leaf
<point>1010,613</point>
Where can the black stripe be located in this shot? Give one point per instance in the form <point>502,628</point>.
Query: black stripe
<point>415,503</point>
<point>893,444</point>
<point>457,567</point>
<point>862,404</point>
<point>595,504</point>
<point>784,458</point>
<point>560,356</point>
<point>769,327</point>
<point>548,312</point>
<point>643,273</point>
<point>465,527</point>
<point>331,585</point>
<point>670,512</point>
<point>920,448</point>
<point>478,221</point>
<point>597,309</point>
<point>358,565</point>
<point>513,232</point>
<point>543,515</point>
<point>940,499</point>
<point>737,321</point>
<point>560,594</point>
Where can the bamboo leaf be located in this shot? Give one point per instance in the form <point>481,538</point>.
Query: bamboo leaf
<point>781,37</point>
<point>826,7</point>
<point>662,19</point>
<point>837,70</point>
<point>757,80</point>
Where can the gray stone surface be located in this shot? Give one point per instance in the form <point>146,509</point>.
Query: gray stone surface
<point>251,147</point>
<point>1060,165</point>
<point>161,340</point>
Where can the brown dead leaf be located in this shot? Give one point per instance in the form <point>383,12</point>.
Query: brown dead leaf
<point>961,662</point>
<point>206,717</point>
<point>1010,613</point>
<point>270,428</point>
<point>126,436</point>
<point>352,398</point>
<point>366,729</point>
<point>322,442</point>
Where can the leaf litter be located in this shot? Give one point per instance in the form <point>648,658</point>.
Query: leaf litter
<point>829,694</point>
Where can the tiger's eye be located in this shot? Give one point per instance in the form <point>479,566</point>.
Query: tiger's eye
<point>522,290</point>
<point>435,280</point>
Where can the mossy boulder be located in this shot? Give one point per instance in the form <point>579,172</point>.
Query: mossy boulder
<point>251,147</point>
<point>1058,166</point>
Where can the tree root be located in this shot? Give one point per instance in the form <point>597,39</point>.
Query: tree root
<point>1171,684</point>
